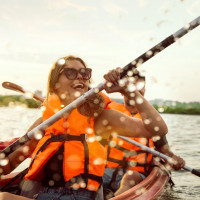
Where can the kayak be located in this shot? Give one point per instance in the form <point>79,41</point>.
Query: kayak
<point>4,144</point>
<point>152,187</point>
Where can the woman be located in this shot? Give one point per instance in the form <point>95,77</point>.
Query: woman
<point>69,161</point>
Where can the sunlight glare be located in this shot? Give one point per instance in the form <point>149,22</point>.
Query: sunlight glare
<point>61,61</point>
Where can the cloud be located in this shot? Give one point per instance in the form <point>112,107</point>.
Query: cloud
<point>63,4</point>
<point>165,5</point>
<point>143,3</point>
<point>194,8</point>
<point>114,9</point>
<point>133,34</point>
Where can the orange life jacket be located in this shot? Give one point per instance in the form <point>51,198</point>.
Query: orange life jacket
<point>84,157</point>
<point>126,155</point>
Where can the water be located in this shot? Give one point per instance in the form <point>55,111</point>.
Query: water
<point>14,122</point>
<point>183,137</point>
<point>184,140</point>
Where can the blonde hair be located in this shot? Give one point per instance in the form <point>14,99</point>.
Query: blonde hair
<point>55,72</point>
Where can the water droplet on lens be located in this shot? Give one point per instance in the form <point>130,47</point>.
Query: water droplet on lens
<point>121,83</point>
<point>63,96</point>
<point>77,94</point>
<point>139,100</point>
<point>96,90</point>
<point>156,128</point>
<point>75,186</point>
<point>130,73</point>
<point>105,122</point>
<point>147,121</point>
<point>120,142</point>
<point>133,62</point>
<point>187,26</point>
<point>109,84</point>
<point>21,158</point>
<point>122,119</point>
<point>89,130</point>
<point>98,161</point>
<point>140,85</point>
<point>112,143</point>
<point>161,109</point>
<point>4,162</point>
<point>132,102</point>
<point>91,139</point>
<point>82,185</point>
<point>38,135</point>
<point>156,138</point>
<point>130,172</point>
<point>131,87</point>
<point>61,61</point>
<point>149,53</point>
<point>96,101</point>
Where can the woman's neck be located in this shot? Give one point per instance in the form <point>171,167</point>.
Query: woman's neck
<point>67,101</point>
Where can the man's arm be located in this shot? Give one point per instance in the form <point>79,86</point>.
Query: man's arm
<point>163,147</point>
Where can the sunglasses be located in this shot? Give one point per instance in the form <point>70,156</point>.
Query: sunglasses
<point>72,73</point>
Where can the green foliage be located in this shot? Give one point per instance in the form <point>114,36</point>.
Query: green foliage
<point>18,100</point>
<point>173,107</point>
<point>178,107</point>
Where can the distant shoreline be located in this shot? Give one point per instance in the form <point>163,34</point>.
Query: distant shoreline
<point>173,107</point>
<point>166,107</point>
<point>17,100</point>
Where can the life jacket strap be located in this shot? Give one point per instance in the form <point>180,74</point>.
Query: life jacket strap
<point>59,138</point>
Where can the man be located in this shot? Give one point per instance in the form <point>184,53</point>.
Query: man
<point>123,157</point>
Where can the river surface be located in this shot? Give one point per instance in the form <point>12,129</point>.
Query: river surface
<point>183,137</point>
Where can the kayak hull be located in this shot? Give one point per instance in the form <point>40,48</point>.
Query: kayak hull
<point>150,188</point>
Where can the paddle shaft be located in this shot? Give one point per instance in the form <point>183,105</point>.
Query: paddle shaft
<point>82,99</point>
<point>15,87</point>
<point>157,153</point>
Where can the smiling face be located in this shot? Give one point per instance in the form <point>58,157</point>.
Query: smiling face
<point>69,90</point>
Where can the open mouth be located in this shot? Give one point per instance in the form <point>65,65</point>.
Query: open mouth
<point>78,86</point>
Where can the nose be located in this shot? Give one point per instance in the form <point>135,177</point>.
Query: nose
<point>79,76</point>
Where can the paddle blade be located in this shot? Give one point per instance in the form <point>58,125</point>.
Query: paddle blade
<point>15,87</point>
<point>195,172</point>
<point>12,86</point>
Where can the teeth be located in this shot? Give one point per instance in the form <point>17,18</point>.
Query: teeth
<point>78,85</point>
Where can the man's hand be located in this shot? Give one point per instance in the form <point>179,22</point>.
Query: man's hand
<point>112,83</point>
<point>178,162</point>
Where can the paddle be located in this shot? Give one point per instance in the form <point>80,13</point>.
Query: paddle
<point>156,153</point>
<point>82,99</point>
<point>15,87</point>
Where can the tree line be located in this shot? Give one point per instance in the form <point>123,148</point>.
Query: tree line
<point>14,100</point>
<point>162,106</point>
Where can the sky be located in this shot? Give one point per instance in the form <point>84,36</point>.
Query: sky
<point>106,34</point>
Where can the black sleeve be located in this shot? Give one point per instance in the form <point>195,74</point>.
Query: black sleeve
<point>161,142</point>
